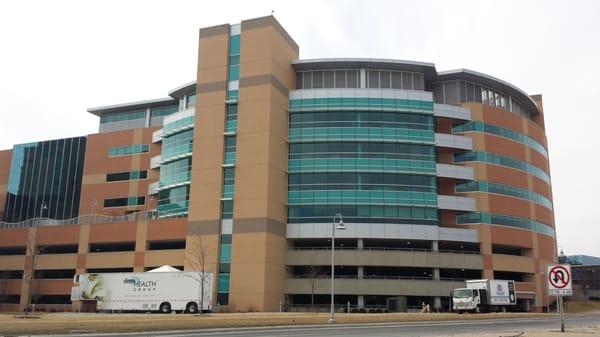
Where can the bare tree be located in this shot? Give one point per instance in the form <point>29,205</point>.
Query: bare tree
<point>314,275</point>
<point>32,251</point>
<point>197,257</point>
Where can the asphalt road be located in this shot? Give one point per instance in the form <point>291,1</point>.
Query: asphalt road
<point>439,328</point>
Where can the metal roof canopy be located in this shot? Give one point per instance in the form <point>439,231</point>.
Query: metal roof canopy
<point>427,69</point>
<point>490,81</point>
<point>124,107</point>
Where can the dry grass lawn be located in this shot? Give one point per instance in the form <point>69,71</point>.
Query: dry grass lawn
<point>574,307</point>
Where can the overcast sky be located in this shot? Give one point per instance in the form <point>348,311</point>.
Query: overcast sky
<point>57,58</point>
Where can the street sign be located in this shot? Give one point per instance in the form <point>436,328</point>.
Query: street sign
<point>560,282</point>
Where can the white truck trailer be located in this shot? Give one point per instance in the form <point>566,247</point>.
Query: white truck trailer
<point>149,291</point>
<point>485,295</point>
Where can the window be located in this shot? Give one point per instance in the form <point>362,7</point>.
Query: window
<point>228,182</point>
<point>128,150</point>
<point>327,79</point>
<point>226,209</point>
<point>229,151</point>
<point>12,250</point>
<point>231,117</point>
<point>120,202</point>
<point>123,116</point>
<point>505,220</point>
<point>126,246</point>
<point>191,100</point>
<point>120,176</point>
<point>166,244</point>
<point>163,111</point>
<point>54,273</point>
<point>10,275</point>
<point>58,249</point>
<point>503,161</point>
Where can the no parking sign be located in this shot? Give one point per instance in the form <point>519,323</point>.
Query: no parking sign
<point>559,280</point>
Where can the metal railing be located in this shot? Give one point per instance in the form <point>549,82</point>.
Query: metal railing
<point>366,249</point>
<point>83,220</point>
<point>368,277</point>
<point>428,250</point>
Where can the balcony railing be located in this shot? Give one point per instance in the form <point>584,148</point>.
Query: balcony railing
<point>389,249</point>
<point>83,220</point>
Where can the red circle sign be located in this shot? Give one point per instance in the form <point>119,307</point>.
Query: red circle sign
<point>559,277</point>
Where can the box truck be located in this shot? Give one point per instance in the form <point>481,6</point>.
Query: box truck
<point>162,291</point>
<point>485,295</point>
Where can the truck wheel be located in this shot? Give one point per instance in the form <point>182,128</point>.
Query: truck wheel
<point>192,308</point>
<point>164,308</point>
<point>478,309</point>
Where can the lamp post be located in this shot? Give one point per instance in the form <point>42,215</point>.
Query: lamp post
<point>42,208</point>
<point>339,225</point>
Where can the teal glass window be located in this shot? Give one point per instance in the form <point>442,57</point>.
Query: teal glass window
<point>231,118</point>
<point>225,253</point>
<point>232,95</point>
<point>177,145</point>
<point>479,126</point>
<point>191,100</point>
<point>230,148</point>
<point>120,202</point>
<point>175,172</point>
<point>223,283</point>
<point>234,45</point>
<point>128,150</point>
<point>174,201</point>
<point>353,103</point>
<point>225,239</point>
<point>505,220</point>
<point>123,116</point>
<point>228,182</point>
<point>163,111</point>
<point>363,214</point>
<point>48,172</point>
<point>226,209</point>
<point>234,73</point>
<point>178,125</point>
<point>502,161</point>
<point>121,176</point>
<point>490,187</point>
<point>234,58</point>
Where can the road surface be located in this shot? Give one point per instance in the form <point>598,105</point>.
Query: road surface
<point>434,328</point>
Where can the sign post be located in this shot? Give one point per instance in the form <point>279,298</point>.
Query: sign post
<point>560,284</point>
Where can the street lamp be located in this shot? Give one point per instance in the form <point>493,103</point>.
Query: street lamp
<point>42,208</point>
<point>340,226</point>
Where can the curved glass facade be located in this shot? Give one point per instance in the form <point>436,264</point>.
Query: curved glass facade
<point>505,220</point>
<point>177,145</point>
<point>45,180</point>
<point>490,187</point>
<point>371,159</point>
<point>502,132</point>
<point>176,167</point>
<point>497,159</point>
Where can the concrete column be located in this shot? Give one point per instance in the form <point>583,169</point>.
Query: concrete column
<point>435,246</point>
<point>437,303</point>
<point>361,301</point>
<point>363,78</point>
<point>360,244</point>
<point>361,272</point>
<point>147,121</point>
